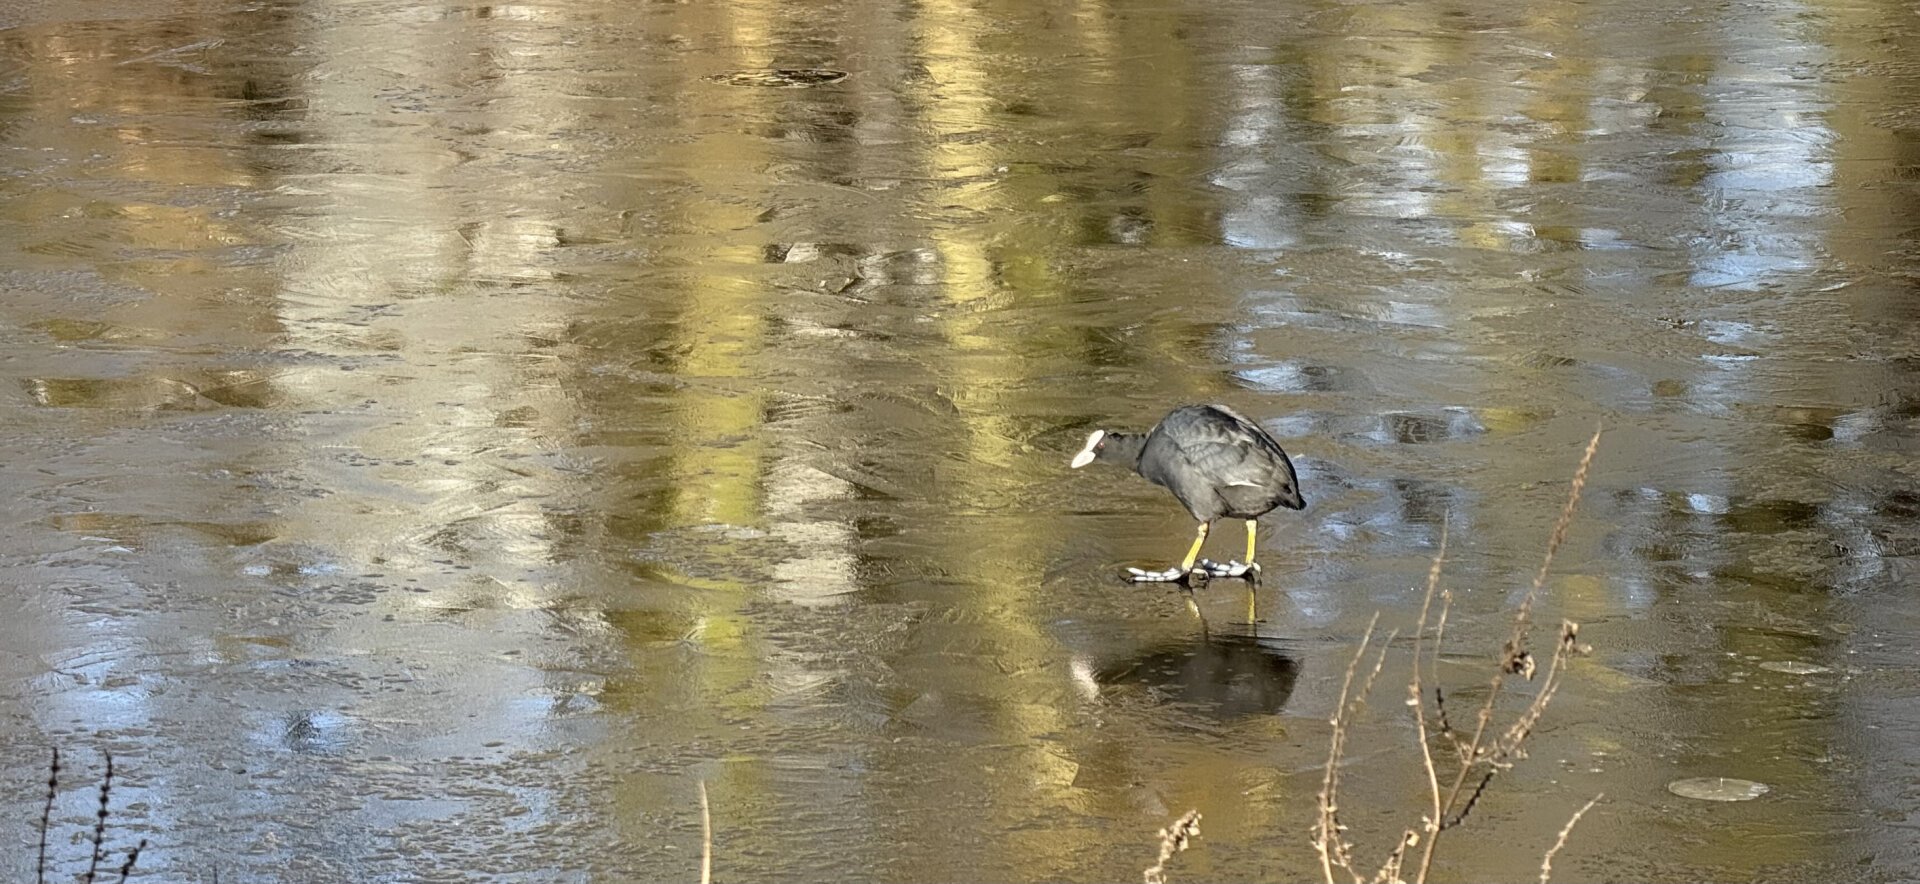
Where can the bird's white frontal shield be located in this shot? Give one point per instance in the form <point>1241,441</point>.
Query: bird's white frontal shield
<point>1086,454</point>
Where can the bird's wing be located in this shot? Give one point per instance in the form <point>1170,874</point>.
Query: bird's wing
<point>1225,463</point>
<point>1255,435</point>
<point>1227,451</point>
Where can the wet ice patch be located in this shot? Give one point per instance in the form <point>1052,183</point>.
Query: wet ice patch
<point>1413,428</point>
<point>780,78</point>
<point>1295,377</point>
<point>1718,789</point>
<point>313,731</point>
<point>1708,504</point>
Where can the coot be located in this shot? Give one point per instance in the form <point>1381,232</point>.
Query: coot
<point>1217,462</point>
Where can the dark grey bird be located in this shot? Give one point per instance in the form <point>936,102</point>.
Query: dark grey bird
<point>1218,463</point>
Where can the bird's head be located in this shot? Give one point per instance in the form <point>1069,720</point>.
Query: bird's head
<point>1096,443</point>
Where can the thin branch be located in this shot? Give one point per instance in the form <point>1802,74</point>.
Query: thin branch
<point>46,816</point>
<point>706,837</point>
<point>1445,727</point>
<point>1516,646</point>
<point>1500,754</point>
<point>133,856</point>
<point>100,822</point>
<point>1432,826</point>
<point>1556,672</point>
<point>1546,862</point>
<point>1440,625</point>
<point>1174,839</point>
<point>1360,702</point>
<point>1473,798</point>
<point>1439,693</point>
<point>1514,660</point>
<point>1390,870</point>
<point>1469,755</point>
<point>1327,839</point>
<point>1366,687</point>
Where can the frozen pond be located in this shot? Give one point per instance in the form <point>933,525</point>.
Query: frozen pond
<point>440,436</point>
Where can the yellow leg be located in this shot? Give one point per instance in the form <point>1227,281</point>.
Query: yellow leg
<point>1252,527</point>
<point>1194,553</point>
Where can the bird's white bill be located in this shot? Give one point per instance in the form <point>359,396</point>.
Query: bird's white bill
<point>1086,454</point>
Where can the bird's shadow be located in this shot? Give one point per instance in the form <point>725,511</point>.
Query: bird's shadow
<point>1220,674</point>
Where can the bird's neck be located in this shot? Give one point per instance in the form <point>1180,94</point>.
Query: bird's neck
<point>1123,449</point>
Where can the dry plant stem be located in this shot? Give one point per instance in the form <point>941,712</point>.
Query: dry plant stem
<point>1174,839</point>
<point>1390,871</point>
<point>1366,687</point>
<point>706,837</point>
<point>1512,661</point>
<point>1346,718</point>
<point>100,821</point>
<point>1546,862</point>
<point>1414,684</point>
<point>1522,618</point>
<point>1473,798</point>
<point>1556,672</point>
<point>46,816</point>
<point>1431,829</point>
<point>1326,833</point>
<point>1440,695</point>
<point>133,856</point>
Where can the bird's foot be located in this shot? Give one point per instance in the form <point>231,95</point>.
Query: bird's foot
<point>1175,574</point>
<point>1230,568</point>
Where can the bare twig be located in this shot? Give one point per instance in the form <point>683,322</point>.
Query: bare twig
<point>1439,693</point>
<point>1390,871</point>
<point>100,822</point>
<point>1353,708</point>
<point>46,816</point>
<point>1514,660</point>
<point>1480,757</point>
<point>1327,839</point>
<point>133,856</point>
<point>1468,755</point>
<point>1473,798</point>
<point>1509,745</point>
<point>1546,862</point>
<point>706,837</point>
<point>1432,826</point>
<point>1174,839</point>
<point>1366,686</point>
<point>1516,656</point>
